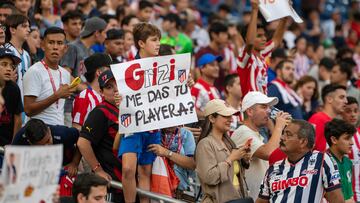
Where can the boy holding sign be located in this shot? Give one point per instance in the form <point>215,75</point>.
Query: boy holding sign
<point>251,60</point>
<point>134,148</point>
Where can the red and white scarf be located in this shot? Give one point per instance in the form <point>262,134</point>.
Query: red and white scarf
<point>288,95</point>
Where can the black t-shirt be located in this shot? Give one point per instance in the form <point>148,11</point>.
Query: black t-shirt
<point>100,129</point>
<point>61,135</point>
<point>13,106</point>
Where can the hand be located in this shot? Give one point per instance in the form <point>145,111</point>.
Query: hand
<point>237,154</point>
<point>64,91</point>
<point>118,99</point>
<point>255,4</point>
<point>282,120</point>
<point>38,16</point>
<point>72,169</point>
<point>100,172</point>
<point>158,150</point>
<point>190,82</point>
<point>56,195</point>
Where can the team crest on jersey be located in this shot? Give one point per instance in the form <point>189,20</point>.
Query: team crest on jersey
<point>312,161</point>
<point>125,120</point>
<point>182,75</point>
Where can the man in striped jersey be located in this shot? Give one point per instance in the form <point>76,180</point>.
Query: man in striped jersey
<point>204,89</point>
<point>251,60</point>
<point>351,115</point>
<point>305,175</point>
<point>89,98</point>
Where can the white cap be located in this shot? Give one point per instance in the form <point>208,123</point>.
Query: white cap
<point>219,106</point>
<point>252,98</point>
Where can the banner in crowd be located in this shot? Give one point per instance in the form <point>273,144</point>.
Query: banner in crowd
<point>276,9</point>
<point>154,93</point>
<point>30,173</point>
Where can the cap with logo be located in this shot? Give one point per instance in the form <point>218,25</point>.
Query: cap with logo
<point>252,98</point>
<point>105,77</point>
<point>91,25</point>
<point>208,58</point>
<point>220,107</point>
<point>4,52</point>
<point>97,60</point>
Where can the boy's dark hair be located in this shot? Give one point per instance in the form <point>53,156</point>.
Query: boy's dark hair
<point>281,64</point>
<point>306,130</point>
<point>127,19</point>
<point>217,27</point>
<point>224,7</point>
<point>351,100</point>
<point>336,128</point>
<point>143,31</point>
<point>346,68</point>
<point>35,130</point>
<point>70,15</point>
<point>108,17</point>
<point>143,4</point>
<point>342,52</point>
<point>84,182</point>
<point>330,88</point>
<point>229,80</point>
<point>13,21</point>
<point>173,18</point>
<point>9,5</point>
<point>328,63</point>
<point>165,50</point>
<point>54,30</point>
<point>299,38</point>
<point>258,26</point>
<point>65,3</point>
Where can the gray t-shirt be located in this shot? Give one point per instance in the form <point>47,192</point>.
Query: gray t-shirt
<point>74,59</point>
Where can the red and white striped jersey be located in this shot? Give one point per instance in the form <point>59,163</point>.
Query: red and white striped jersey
<point>355,158</point>
<point>203,93</point>
<point>83,104</point>
<point>230,58</point>
<point>304,181</point>
<point>252,69</point>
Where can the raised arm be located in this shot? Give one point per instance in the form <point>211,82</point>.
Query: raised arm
<point>279,32</point>
<point>252,28</point>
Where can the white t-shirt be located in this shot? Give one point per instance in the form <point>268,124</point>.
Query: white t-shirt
<point>258,167</point>
<point>37,83</point>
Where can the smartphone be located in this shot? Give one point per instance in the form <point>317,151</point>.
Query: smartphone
<point>248,142</point>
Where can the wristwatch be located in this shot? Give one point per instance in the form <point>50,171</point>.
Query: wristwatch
<point>170,154</point>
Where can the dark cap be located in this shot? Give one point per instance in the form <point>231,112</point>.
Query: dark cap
<point>104,78</point>
<point>92,25</point>
<point>114,34</point>
<point>4,52</point>
<point>97,60</point>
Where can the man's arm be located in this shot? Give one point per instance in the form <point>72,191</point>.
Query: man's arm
<point>265,150</point>
<point>252,28</point>
<point>335,196</point>
<point>279,32</point>
<point>33,107</point>
<point>87,152</point>
<point>259,200</point>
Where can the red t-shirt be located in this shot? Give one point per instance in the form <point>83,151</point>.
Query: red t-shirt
<point>319,120</point>
<point>276,155</point>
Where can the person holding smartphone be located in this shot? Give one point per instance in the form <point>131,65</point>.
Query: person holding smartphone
<point>219,164</point>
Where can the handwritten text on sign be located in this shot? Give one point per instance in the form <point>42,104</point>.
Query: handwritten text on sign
<point>155,94</point>
<point>276,9</point>
<point>31,173</point>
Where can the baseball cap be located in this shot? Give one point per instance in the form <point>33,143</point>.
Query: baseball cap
<point>208,58</point>
<point>4,52</point>
<point>220,107</point>
<point>96,61</point>
<point>114,34</point>
<point>91,25</point>
<point>252,98</point>
<point>105,77</point>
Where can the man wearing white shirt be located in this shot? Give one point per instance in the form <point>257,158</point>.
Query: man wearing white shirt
<point>46,84</point>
